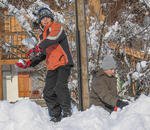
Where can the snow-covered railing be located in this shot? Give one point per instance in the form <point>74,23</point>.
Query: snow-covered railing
<point>129,51</point>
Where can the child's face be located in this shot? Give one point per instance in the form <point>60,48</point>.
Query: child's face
<point>110,72</point>
<point>45,21</point>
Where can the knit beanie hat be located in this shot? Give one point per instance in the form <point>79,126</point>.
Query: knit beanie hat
<point>45,12</point>
<point>108,63</point>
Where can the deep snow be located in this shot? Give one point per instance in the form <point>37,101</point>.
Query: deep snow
<point>27,115</point>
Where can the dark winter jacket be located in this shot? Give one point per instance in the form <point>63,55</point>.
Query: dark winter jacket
<point>55,47</point>
<point>103,91</point>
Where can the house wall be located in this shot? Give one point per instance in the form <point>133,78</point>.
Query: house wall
<point>16,86</point>
<point>10,87</point>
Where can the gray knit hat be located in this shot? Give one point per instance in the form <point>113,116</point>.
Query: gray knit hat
<point>108,63</point>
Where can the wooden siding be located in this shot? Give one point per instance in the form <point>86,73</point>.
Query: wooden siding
<point>24,85</point>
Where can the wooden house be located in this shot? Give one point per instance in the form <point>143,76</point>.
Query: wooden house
<point>14,85</point>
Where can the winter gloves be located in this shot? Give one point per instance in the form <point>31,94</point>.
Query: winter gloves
<point>23,64</point>
<point>120,104</point>
<point>32,53</point>
<point>34,50</point>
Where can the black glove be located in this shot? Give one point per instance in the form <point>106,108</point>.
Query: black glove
<point>121,103</point>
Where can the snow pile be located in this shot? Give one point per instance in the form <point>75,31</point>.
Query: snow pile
<point>26,115</point>
<point>23,115</point>
<point>136,116</point>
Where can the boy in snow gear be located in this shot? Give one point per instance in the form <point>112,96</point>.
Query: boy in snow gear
<point>54,48</point>
<point>104,87</point>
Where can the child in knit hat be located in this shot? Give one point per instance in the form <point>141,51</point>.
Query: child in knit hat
<point>104,87</point>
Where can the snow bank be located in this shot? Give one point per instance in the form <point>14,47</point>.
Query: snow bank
<point>26,115</point>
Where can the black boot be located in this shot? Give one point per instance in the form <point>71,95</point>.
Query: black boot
<point>67,113</point>
<point>55,113</point>
<point>56,119</point>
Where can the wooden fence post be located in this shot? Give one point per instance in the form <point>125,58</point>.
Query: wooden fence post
<point>83,51</point>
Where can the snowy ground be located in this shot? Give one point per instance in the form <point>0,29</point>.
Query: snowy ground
<point>26,115</point>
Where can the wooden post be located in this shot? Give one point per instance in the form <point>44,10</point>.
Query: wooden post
<point>1,83</point>
<point>1,73</point>
<point>83,47</point>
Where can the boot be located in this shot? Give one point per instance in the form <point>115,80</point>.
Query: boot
<point>67,113</point>
<point>55,113</point>
<point>56,119</point>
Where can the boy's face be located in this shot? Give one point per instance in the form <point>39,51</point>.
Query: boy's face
<point>110,72</point>
<point>45,21</point>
